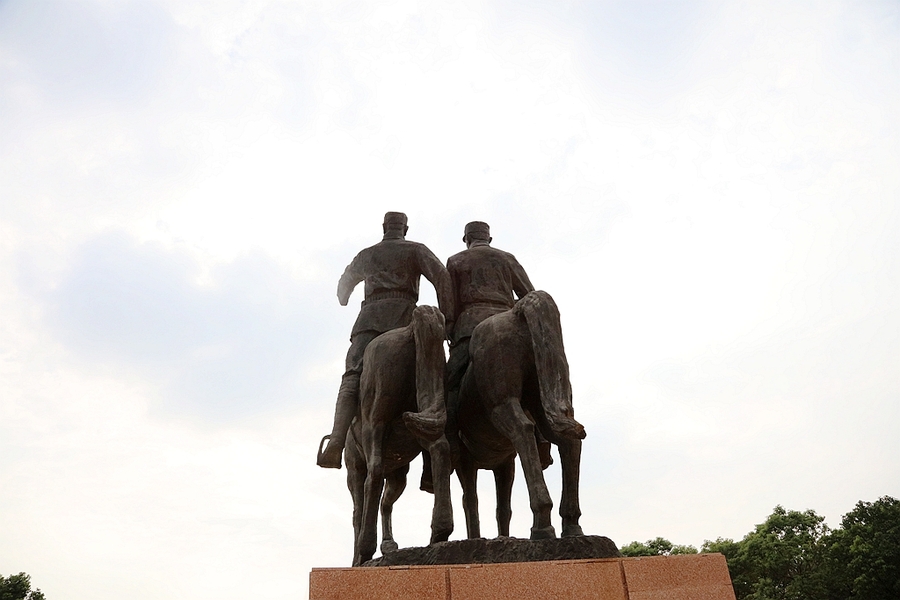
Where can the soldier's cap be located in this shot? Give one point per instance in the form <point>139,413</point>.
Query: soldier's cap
<point>477,227</point>
<point>395,218</point>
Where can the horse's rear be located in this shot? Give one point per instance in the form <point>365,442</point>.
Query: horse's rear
<point>402,374</point>
<point>391,358</point>
<point>519,379</point>
<point>482,445</point>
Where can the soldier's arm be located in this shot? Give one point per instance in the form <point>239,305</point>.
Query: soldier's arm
<point>434,271</point>
<point>521,283</point>
<point>353,274</point>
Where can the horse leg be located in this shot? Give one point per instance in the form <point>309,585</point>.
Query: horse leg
<point>468,480</point>
<point>356,479</point>
<point>425,483</point>
<point>394,484</point>
<point>569,508</point>
<point>368,537</point>
<point>442,514</point>
<point>510,420</point>
<point>504,475</point>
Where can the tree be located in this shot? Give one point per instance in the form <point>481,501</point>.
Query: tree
<point>741,579</point>
<point>725,546</point>
<point>794,556</point>
<point>781,559</point>
<point>18,587</point>
<point>864,554</point>
<point>656,547</point>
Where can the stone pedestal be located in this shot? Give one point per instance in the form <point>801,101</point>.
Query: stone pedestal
<point>683,577</point>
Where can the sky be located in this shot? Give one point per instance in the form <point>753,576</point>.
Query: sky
<point>708,190</point>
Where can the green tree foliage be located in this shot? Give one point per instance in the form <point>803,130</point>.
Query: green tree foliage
<point>656,547</point>
<point>782,558</point>
<point>794,556</point>
<point>726,546</point>
<point>18,587</point>
<point>864,554</point>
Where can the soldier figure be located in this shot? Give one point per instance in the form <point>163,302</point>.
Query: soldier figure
<point>484,280</point>
<point>391,271</point>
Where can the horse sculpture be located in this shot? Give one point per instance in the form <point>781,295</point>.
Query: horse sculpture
<point>403,373</point>
<point>518,381</point>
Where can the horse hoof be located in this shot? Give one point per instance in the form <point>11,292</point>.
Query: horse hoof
<point>572,531</point>
<point>389,546</point>
<point>440,536</point>
<point>543,533</point>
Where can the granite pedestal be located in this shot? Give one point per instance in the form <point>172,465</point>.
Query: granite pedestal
<point>683,577</point>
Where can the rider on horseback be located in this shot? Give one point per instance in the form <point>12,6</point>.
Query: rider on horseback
<point>484,280</point>
<point>391,271</point>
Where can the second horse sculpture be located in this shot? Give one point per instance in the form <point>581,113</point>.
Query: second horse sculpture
<point>518,380</point>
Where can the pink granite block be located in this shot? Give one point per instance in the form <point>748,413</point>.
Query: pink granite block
<point>688,577</point>
<point>683,577</point>
<point>379,583</point>
<point>553,580</point>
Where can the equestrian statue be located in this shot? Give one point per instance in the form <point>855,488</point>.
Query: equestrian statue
<point>507,389</point>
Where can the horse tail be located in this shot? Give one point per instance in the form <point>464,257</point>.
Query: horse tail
<point>428,332</point>
<point>542,316</point>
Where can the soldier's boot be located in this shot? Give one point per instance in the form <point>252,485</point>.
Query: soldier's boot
<point>344,411</point>
<point>456,369</point>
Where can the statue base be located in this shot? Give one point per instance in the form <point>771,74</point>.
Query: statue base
<point>682,577</point>
<point>500,550</point>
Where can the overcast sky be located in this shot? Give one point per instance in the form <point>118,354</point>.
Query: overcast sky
<point>709,191</point>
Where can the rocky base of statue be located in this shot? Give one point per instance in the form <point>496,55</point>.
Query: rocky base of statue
<point>500,550</point>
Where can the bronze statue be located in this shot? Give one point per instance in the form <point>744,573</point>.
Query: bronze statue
<point>402,381</point>
<point>508,385</point>
<point>391,271</point>
<point>517,384</point>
